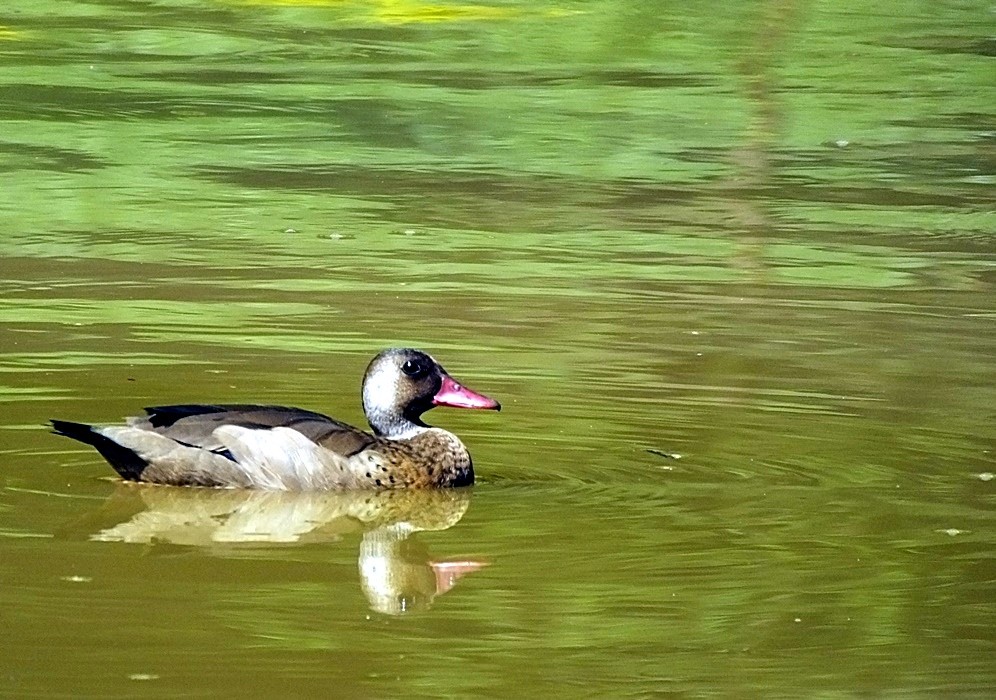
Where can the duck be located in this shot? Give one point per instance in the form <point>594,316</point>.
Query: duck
<point>292,449</point>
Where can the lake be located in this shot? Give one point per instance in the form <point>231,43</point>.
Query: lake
<point>730,269</point>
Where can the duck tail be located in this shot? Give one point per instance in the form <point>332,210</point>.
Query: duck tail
<point>125,461</point>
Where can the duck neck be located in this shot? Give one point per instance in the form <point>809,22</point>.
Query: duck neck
<point>395,426</point>
<point>388,420</point>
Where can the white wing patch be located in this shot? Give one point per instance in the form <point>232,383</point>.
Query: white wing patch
<point>282,458</point>
<point>267,458</point>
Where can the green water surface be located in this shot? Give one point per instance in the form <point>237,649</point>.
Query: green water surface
<point>729,267</point>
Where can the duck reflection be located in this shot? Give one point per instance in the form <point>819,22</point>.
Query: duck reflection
<point>397,573</point>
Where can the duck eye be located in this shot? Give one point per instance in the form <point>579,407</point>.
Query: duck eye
<point>413,368</point>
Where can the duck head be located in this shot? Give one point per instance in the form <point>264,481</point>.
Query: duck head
<point>401,384</point>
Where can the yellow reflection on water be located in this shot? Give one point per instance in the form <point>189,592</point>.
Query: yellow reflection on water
<point>403,11</point>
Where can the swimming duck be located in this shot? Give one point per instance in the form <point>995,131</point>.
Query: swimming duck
<point>275,447</point>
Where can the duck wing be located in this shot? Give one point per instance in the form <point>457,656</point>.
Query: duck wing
<point>195,425</point>
<point>267,447</point>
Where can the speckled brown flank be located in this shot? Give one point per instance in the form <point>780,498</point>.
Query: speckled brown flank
<point>433,458</point>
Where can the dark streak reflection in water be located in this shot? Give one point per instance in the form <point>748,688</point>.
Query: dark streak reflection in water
<point>758,237</point>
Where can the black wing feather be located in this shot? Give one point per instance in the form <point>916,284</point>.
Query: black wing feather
<point>126,462</point>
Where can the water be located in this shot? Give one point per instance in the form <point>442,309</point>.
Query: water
<point>729,270</point>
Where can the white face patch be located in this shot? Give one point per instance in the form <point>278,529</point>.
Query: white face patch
<point>380,392</point>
